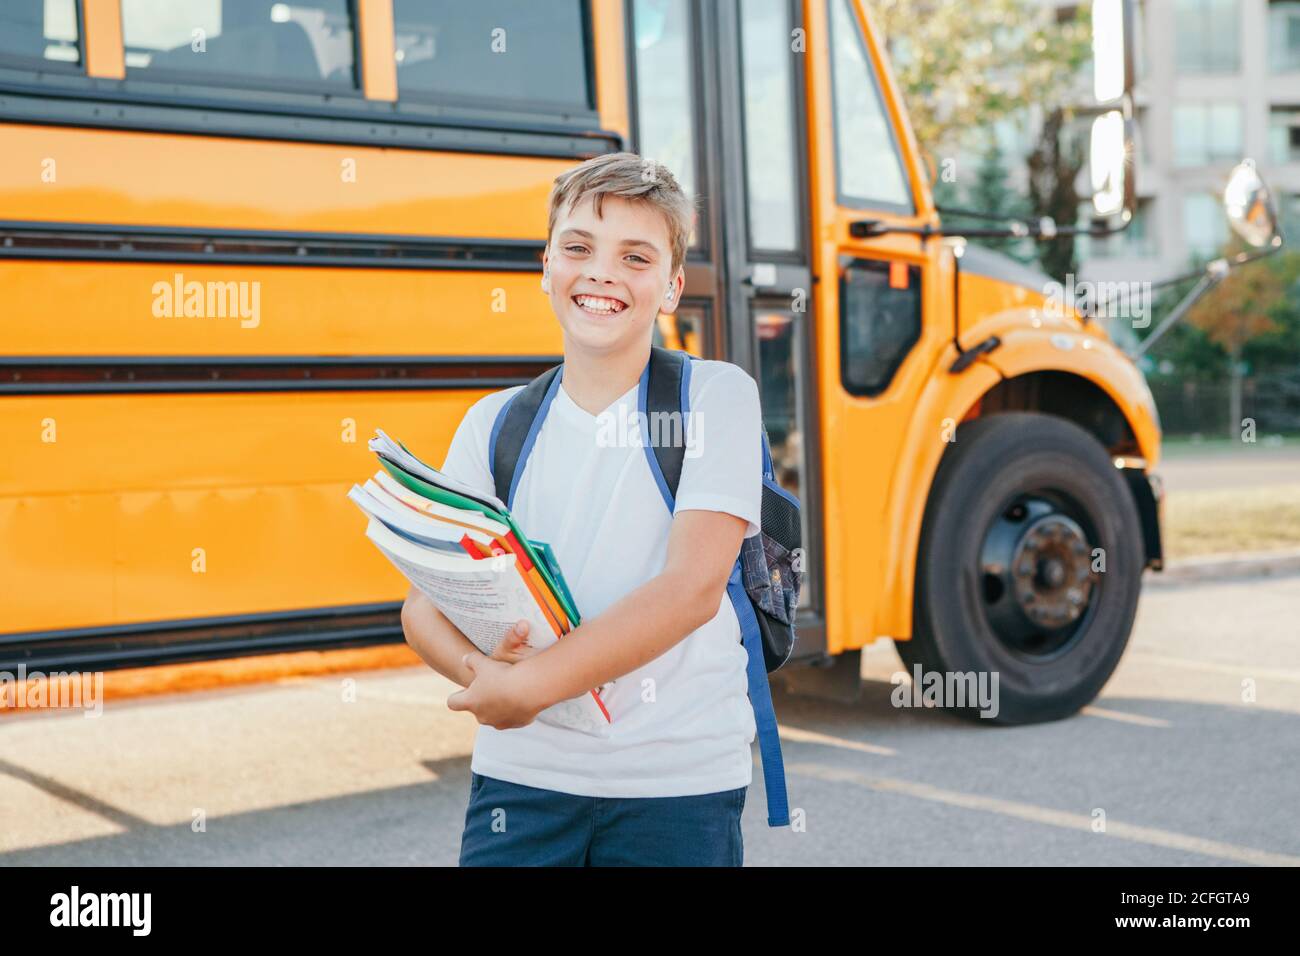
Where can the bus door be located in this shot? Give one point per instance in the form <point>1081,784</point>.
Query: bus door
<point>718,95</point>
<point>876,286</point>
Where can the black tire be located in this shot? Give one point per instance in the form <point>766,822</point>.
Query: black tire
<point>994,494</point>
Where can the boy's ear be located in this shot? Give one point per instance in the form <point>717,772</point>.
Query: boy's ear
<point>673,296</point>
<point>546,274</point>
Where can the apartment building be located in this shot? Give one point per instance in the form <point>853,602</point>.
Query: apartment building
<point>1217,80</point>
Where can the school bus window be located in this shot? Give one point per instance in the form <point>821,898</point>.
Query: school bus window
<point>880,321</point>
<point>867,163</point>
<point>768,70</point>
<point>307,43</point>
<point>665,89</point>
<point>683,329</point>
<point>39,33</point>
<point>514,51</point>
<point>781,387</point>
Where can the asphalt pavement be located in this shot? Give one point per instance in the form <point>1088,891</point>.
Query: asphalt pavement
<point>1190,756</point>
<point>1248,465</point>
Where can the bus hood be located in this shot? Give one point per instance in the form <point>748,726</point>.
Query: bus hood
<point>991,283</point>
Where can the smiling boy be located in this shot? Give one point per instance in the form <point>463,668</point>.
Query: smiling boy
<point>667,785</point>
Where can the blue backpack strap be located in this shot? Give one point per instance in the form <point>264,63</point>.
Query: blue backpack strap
<point>760,697</point>
<point>514,432</point>
<point>662,390</point>
<point>768,471</point>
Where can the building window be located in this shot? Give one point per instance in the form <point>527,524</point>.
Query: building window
<point>1207,35</point>
<point>304,45</point>
<point>1206,133</point>
<point>39,33</point>
<point>1284,36</point>
<point>1204,224</point>
<point>1141,64</point>
<point>1142,142</point>
<point>1284,134</point>
<point>1139,238</point>
<point>515,51</point>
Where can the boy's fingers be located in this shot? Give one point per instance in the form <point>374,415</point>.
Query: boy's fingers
<point>514,639</point>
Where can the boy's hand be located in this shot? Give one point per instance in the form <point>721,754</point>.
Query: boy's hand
<point>514,647</point>
<point>498,695</point>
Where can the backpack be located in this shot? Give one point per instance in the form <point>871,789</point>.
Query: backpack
<point>765,580</point>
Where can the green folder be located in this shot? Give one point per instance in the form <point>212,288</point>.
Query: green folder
<point>548,555</point>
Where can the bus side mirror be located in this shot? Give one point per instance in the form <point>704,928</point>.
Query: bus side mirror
<point>1113,188</point>
<point>1112,50</point>
<point>1250,209</point>
<point>1108,162</point>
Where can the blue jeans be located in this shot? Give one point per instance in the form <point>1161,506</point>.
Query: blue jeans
<point>508,824</point>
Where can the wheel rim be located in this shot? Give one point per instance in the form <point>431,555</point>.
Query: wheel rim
<point>1038,586</point>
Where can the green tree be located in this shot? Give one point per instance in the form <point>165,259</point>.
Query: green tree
<point>990,193</point>
<point>1236,311</point>
<point>1277,348</point>
<point>1250,319</point>
<point>963,66</point>
<point>1054,168</point>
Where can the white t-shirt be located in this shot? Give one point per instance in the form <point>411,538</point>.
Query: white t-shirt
<point>683,723</point>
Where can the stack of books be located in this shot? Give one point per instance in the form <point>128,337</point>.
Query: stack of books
<point>463,549</point>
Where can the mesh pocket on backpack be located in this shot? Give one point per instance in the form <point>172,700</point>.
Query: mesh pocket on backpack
<point>769,563</point>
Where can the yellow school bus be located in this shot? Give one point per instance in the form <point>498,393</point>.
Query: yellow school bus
<point>236,237</point>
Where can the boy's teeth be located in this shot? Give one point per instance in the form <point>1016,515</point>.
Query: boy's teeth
<point>600,305</point>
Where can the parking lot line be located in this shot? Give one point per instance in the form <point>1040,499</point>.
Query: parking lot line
<point>828,740</point>
<point>1238,670</point>
<point>1139,719</point>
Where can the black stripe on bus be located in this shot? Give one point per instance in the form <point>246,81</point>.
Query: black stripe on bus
<point>93,241</point>
<point>90,374</point>
<point>150,643</point>
<point>344,120</point>
<point>165,642</point>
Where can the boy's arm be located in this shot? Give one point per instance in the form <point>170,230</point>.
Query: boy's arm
<point>647,622</point>
<point>439,642</point>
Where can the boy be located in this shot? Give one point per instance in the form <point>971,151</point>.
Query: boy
<point>668,785</point>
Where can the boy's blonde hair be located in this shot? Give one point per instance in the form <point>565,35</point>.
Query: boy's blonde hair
<point>631,177</point>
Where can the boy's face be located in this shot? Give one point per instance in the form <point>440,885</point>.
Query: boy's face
<point>607,276</point>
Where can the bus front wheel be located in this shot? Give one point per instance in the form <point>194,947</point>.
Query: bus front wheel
<point>1028,572</point>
